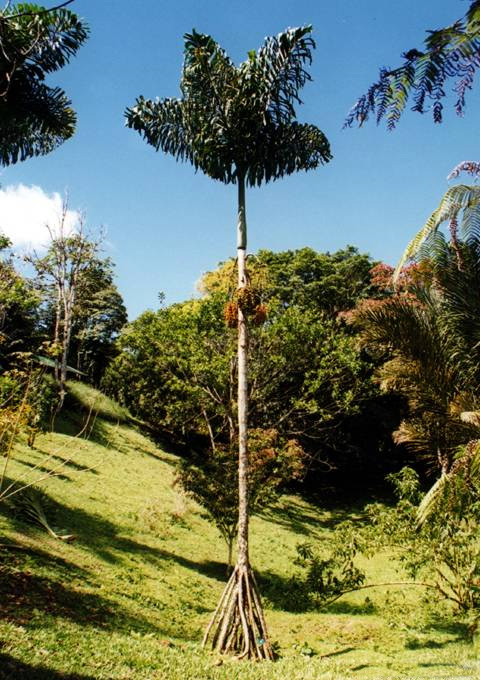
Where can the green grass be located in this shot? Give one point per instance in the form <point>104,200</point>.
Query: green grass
<point>130,597</point>
<point>95,402</point>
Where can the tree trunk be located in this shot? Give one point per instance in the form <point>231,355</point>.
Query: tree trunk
<point>242,354</point>
<point>240,623</point>
<point>56,332</point>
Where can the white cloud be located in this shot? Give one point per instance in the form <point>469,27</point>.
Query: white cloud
<point>26,210</point>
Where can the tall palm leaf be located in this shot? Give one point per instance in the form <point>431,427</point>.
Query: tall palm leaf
<point>237,125</point>
<point>34,42</point>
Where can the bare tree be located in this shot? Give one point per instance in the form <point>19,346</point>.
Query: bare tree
<point>70,253</point>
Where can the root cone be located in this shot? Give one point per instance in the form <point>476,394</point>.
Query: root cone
<point>238,624</point>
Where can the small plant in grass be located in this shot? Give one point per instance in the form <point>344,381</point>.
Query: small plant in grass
<point>325,578</point>
<point>439,549</point>
<point>211,478</point>
<point>30,505</point>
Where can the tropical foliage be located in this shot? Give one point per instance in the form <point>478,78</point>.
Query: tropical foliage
<point>459,207</point>
<point>35,117</point>
<point>449,53</point>
<point>427,336</point>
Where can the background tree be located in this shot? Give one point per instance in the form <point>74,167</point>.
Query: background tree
<point>211,478</point>
<point>452,52</point>
<point>176,368</point>
<point>59,273</point>
<point>18,309</point>
<point>98,316</point>
<point>34,41</point>
<point>237,124</point>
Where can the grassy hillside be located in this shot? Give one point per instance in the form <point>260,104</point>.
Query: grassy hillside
<point>131,595</point>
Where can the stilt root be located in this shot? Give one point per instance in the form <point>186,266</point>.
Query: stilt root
<point>238,625</point>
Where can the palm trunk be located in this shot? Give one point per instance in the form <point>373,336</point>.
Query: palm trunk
<point>242,386</point>
<point>240,623</point>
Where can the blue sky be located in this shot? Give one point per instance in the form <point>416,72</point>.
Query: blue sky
<point>165,224</point>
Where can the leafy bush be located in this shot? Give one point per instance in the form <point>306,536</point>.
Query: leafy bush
<point>326,577</point>
<point>443,552</point>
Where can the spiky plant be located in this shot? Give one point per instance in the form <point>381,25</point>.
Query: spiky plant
<point>429,337</point>
<point>237,124</point>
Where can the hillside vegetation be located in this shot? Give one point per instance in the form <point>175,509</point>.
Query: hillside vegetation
<point>130,596</point>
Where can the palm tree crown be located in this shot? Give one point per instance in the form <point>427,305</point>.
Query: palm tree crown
<point>237,120</point>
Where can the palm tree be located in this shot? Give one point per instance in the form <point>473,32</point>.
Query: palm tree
<point>237,124</point>
<point>450,52</point>
<point>34,42</point>
<point>429,338</point>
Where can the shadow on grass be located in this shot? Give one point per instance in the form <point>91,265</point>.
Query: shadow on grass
<point>83,425</point>
<point>41,470</point>
<point>24,594</point>
<point>27,598</point>
<point>91,531</point>
<point>343,607</point>
<point>457,628</point>
<point>339,652</point>
<point>303,520</point>
<point>15,555</point>
<point>99,431</point>
<point>11,669</point>
<point>72,464</point>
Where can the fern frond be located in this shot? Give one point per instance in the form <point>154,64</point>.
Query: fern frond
<point>431,500</point>
<point>456,199</point>
<point>452,52</point>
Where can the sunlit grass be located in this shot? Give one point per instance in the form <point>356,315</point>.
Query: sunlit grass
<point>130,597</point>
<point>96,402</point>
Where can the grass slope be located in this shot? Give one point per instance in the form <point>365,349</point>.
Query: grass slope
<point>131,595</point>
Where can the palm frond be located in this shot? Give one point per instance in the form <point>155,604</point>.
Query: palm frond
<point>39,120</point>
<point>285,149</point>
<point>28,504</point>
<point>452,52</point>
<point>402,325</point>
<point>34,118</point>
<point>278,73</point>
<point>432,500</point>
<point>161,124</point>
<point>46,41</point>
<point>456,199</point>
